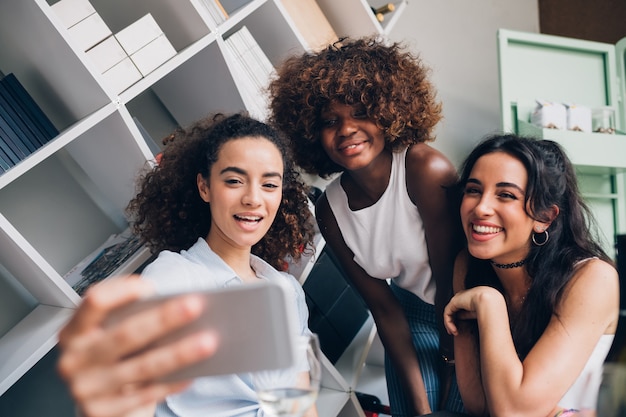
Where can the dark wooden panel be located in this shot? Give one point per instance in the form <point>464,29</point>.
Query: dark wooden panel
<point>601,20</point>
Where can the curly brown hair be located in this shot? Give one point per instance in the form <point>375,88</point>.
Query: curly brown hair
<point>388,81</point>
<point>169,214</point>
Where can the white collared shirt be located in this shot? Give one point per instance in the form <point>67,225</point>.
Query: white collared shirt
<point>199,268</point>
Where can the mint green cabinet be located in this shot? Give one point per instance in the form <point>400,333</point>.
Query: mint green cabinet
<point>564,70</point>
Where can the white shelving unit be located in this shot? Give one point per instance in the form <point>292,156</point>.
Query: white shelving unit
<point>566,70</point>
<point>65,199</point>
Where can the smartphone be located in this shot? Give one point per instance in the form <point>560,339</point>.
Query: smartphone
<point>254,324</point>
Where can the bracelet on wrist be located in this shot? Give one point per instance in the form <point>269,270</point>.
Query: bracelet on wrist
<point>566,413</point>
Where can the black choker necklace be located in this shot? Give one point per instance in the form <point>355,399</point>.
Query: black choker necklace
<point>509,266</point>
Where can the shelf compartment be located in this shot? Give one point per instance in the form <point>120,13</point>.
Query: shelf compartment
<point>26,343</point>
<point>577,145</point>
<point>201,85</point>
<point>183,55</point>
<point>65,137</point>
<point>46,65</point>
<point>180,22</point>
<point>278,40</point>
<point>33,272</point>
<point>84,187</point>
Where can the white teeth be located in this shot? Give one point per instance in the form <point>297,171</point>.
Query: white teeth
<point>486,229</point>
<point>249,218</point>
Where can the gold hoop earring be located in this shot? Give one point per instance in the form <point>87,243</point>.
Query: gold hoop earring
<point>543,241</point>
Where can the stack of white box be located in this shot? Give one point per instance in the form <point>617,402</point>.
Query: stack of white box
<point>578,117</point>
<point>123,58</point>
<point>82,21</point>
<point>146,44</point>
<point>114,64</point>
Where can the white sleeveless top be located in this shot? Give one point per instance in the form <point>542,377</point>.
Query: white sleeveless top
<point>583,394</point>
<point>387,238</point>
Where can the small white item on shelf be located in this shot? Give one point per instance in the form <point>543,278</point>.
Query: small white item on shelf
<point>106,54</point>
<point>122,75</point>
<point>603,119</point>
<point>151,56</point>
<point>90,31</point>
<point>138,34</point>
<point>549,115</point>
<point>578,117</point>
<point>70,12</point>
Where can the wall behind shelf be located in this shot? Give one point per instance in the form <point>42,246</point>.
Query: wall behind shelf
<point>457,40</point>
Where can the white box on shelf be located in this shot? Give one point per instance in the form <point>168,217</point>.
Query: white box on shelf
<point>122,75</point>
<point>90,31</point>
<point>550,115</point>
<point>106,54</point>
<point>151,56</point>
<point>71,12</point>
<point>138,34</point>
<point>578,117</point>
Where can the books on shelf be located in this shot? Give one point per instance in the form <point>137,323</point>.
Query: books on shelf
<point>311,22</point>
<point>33,112</point>
<point>5,162</point>
<point>253,68</point>
<point>105,261</point>
<point>24,127</point>
<point>216,11</point>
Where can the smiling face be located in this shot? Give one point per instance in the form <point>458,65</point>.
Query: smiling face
<point>349,137</point>
<point>244,191</point>
<point>492,211</point>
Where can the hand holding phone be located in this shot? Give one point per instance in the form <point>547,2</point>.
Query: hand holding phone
<point>253,324</point>
<point>102,366</point>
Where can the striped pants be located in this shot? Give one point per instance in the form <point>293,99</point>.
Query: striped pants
<point>423,324</point>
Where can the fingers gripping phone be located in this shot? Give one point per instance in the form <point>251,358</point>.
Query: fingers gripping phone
<point>253,323</point>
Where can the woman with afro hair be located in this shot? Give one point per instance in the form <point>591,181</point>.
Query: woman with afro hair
<point>365,110</point>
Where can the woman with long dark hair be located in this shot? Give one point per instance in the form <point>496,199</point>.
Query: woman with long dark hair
<point>536,298</point>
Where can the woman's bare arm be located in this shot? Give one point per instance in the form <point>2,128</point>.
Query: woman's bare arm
<point>391,323</point>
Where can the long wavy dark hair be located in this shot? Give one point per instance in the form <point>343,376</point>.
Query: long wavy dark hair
<point>169,214</point>
<point>573,233</point>
<point>389,82</point>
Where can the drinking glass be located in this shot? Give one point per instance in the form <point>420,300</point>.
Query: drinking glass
<point>291,392</point>
<point>612,394</point>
